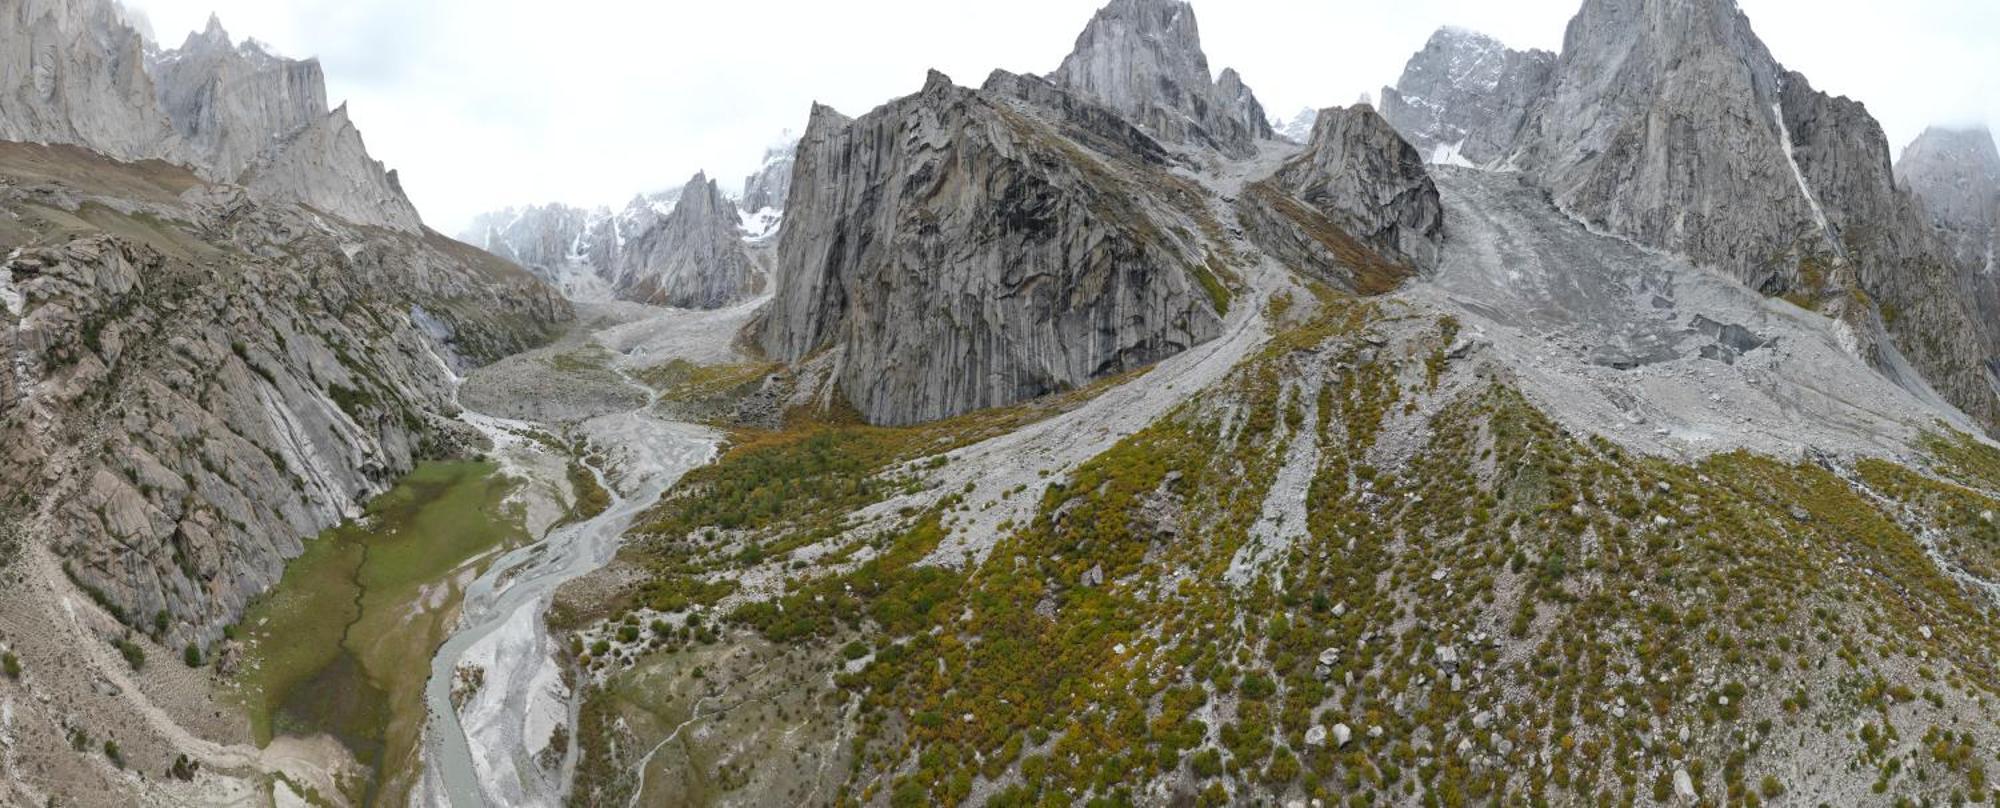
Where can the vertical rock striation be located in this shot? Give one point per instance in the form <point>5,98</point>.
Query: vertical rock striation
<point>72,71</point>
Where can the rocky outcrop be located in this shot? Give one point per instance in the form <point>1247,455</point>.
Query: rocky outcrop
<point>201,381</point>
<point>684,247</point>
<point>72,71</point>
<point>1464,97</point>
<point>1357,207</point>
<point>962,249</point>
<point>1143,60</point>
<point>693,259</point>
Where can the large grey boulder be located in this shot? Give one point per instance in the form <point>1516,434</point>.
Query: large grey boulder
<point>1465,97</point>
<point>1143,60</point>
<point>694,258</point>
<point>961,249</point>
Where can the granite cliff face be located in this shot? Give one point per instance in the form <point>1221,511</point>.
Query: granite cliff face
<point>327,166</point>
<point>230,104</point>
<point>72,71</point>
<point>202,381</point>
<point>1669,122</point>
<point>1956,173</point>
<point>250,117</point>
<point>1356,207</point>
<point>693,259</point>
<point>234,114</point>
<point>1143,60</point>
<point>1464,98</point>
<point>961,249</point>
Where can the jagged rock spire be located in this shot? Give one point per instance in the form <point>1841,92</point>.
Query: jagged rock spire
<point>1143,59</point>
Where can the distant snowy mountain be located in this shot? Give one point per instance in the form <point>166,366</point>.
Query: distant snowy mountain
<point>1300,128</point>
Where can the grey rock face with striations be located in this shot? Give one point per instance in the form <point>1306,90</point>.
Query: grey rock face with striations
<point>231,104</point>
<point>1669,122</point>
<point>1662,124</point>
<point>209,380</point>
<point>1143,60</point>
<point>79,75</point>
<point>1956,173</point>
<point>963,249</point>
<point>1361,177</point>
<point>1465,97</point>
<point>326,165</point>
<point>254,118</point>
<point>693,259</point>
<point>72,71</point>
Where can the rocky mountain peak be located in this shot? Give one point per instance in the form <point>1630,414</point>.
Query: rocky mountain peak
<point>1669,122</point>
<point>693,258</point>
<point>230,103</point>
<point>1463,98</point>
<point>765,192</point>
<point>958,249</point>
<point>1360,173</point>
<point>1143,59</point>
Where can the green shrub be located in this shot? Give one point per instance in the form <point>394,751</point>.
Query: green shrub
<point>192,656</point>
<point>134,655</point>
<point>11,665</point>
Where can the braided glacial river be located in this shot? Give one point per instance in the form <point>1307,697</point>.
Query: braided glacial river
<point>505,741</point>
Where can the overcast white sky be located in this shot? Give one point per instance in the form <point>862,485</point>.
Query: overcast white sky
<point>487,103</point>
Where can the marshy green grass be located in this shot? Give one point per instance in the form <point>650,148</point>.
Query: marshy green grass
<point>343,644</point>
